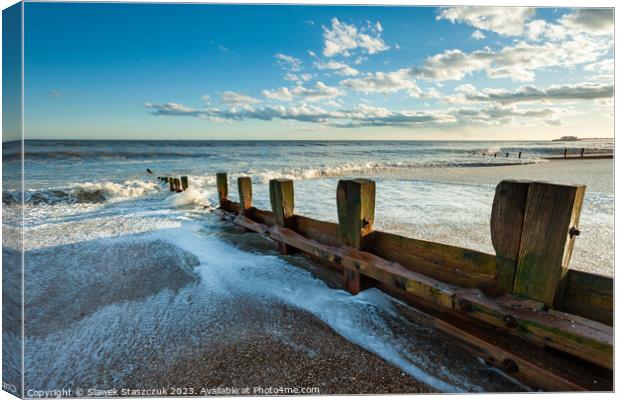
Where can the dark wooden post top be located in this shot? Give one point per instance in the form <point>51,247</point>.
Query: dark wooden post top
<point>282,197</point>
<point>222,187</point>
<point>184,183</point>
<point>535,224</point>
<point>356,210</point>
<point>244,184</point>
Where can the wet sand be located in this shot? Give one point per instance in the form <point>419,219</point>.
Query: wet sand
<point>596,174</point>
<point>291,350</point>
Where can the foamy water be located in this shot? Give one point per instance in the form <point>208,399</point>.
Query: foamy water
<point>160,272</point>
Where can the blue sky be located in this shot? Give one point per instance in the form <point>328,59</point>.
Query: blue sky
<point>179,71</point>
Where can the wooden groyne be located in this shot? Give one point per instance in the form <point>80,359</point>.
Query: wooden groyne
<point>175,184</point>
<point>521,309</point>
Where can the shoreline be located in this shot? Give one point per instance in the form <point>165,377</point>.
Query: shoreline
<point>578,157</point>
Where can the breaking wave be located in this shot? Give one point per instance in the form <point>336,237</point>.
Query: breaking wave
<point>87,192</point>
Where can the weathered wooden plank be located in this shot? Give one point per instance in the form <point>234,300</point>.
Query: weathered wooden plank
<point>450,264</point>
<point>356,210</point>
<point>369,265</point>
<point>282,198</point>
<point>244,184</point>
<point>513,364</point>
<point>184,183</point>
<point>264,217</point>
<point>588,340</point>
<point>589,295</point>
<point>551,218</point>
<point>251,225</point>
<point>324,232</point>
<point>522,318</point>
<point>506,227</point>
<point>222,187</point>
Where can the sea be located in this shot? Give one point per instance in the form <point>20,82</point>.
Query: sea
<point>113,259</point>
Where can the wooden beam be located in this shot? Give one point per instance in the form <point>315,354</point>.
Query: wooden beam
<point>282,198</point>
<point>589,295</point>
<point>449,264</point>
<point>369,265</point>
<point>522,318</point>
<point>222,187</point>
<point>244,184</point>
<point>549,229</point>
<point>506,228</point>
<point>588,340</point>
<point>322,231</point>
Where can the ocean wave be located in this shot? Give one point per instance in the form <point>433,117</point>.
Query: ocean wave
<point>104,155</point>
<point>88,192</point>
<point>372,168</point>
<point>188,197</point>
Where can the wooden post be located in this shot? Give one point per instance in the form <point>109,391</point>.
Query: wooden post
<point>171,183</point>
<point>565,151</point>
<point>282,199</point>
<point>519,154</point>
<point>506,228</point>
<point>550,225</point>
<point>222,187</point>
<point>356,214</point>
<point>184,183</point>
<point>582,151</point>
<point>244,183</point>
<point>356,210</point>
<point>177,185</point>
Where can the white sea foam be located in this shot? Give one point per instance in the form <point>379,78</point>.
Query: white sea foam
<point>106,191</point>
<point>367,319</point>
<point>191,196</point>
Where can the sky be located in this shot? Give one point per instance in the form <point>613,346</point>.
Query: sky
<point>194,71</point>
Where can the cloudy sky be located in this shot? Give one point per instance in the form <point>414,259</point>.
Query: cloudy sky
<point>109,71</point>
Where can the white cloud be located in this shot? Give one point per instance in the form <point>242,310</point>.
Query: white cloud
<point>507,21</point>
<point>591,20</point>
<point>478,35</point>
<point>237,99</point>
<point>368,115</point>
<point>517,62</point>
<point>320,91</point>
<point>555,93</point>
<point>604,66</point>
<point>339,68</point>
<point>288,62</point>
<point>343,38</point>
<point>297,78</point>
<point>173,109</point>
<point>280,94</point>
<point>500,115</point>
<point>384,82</point>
